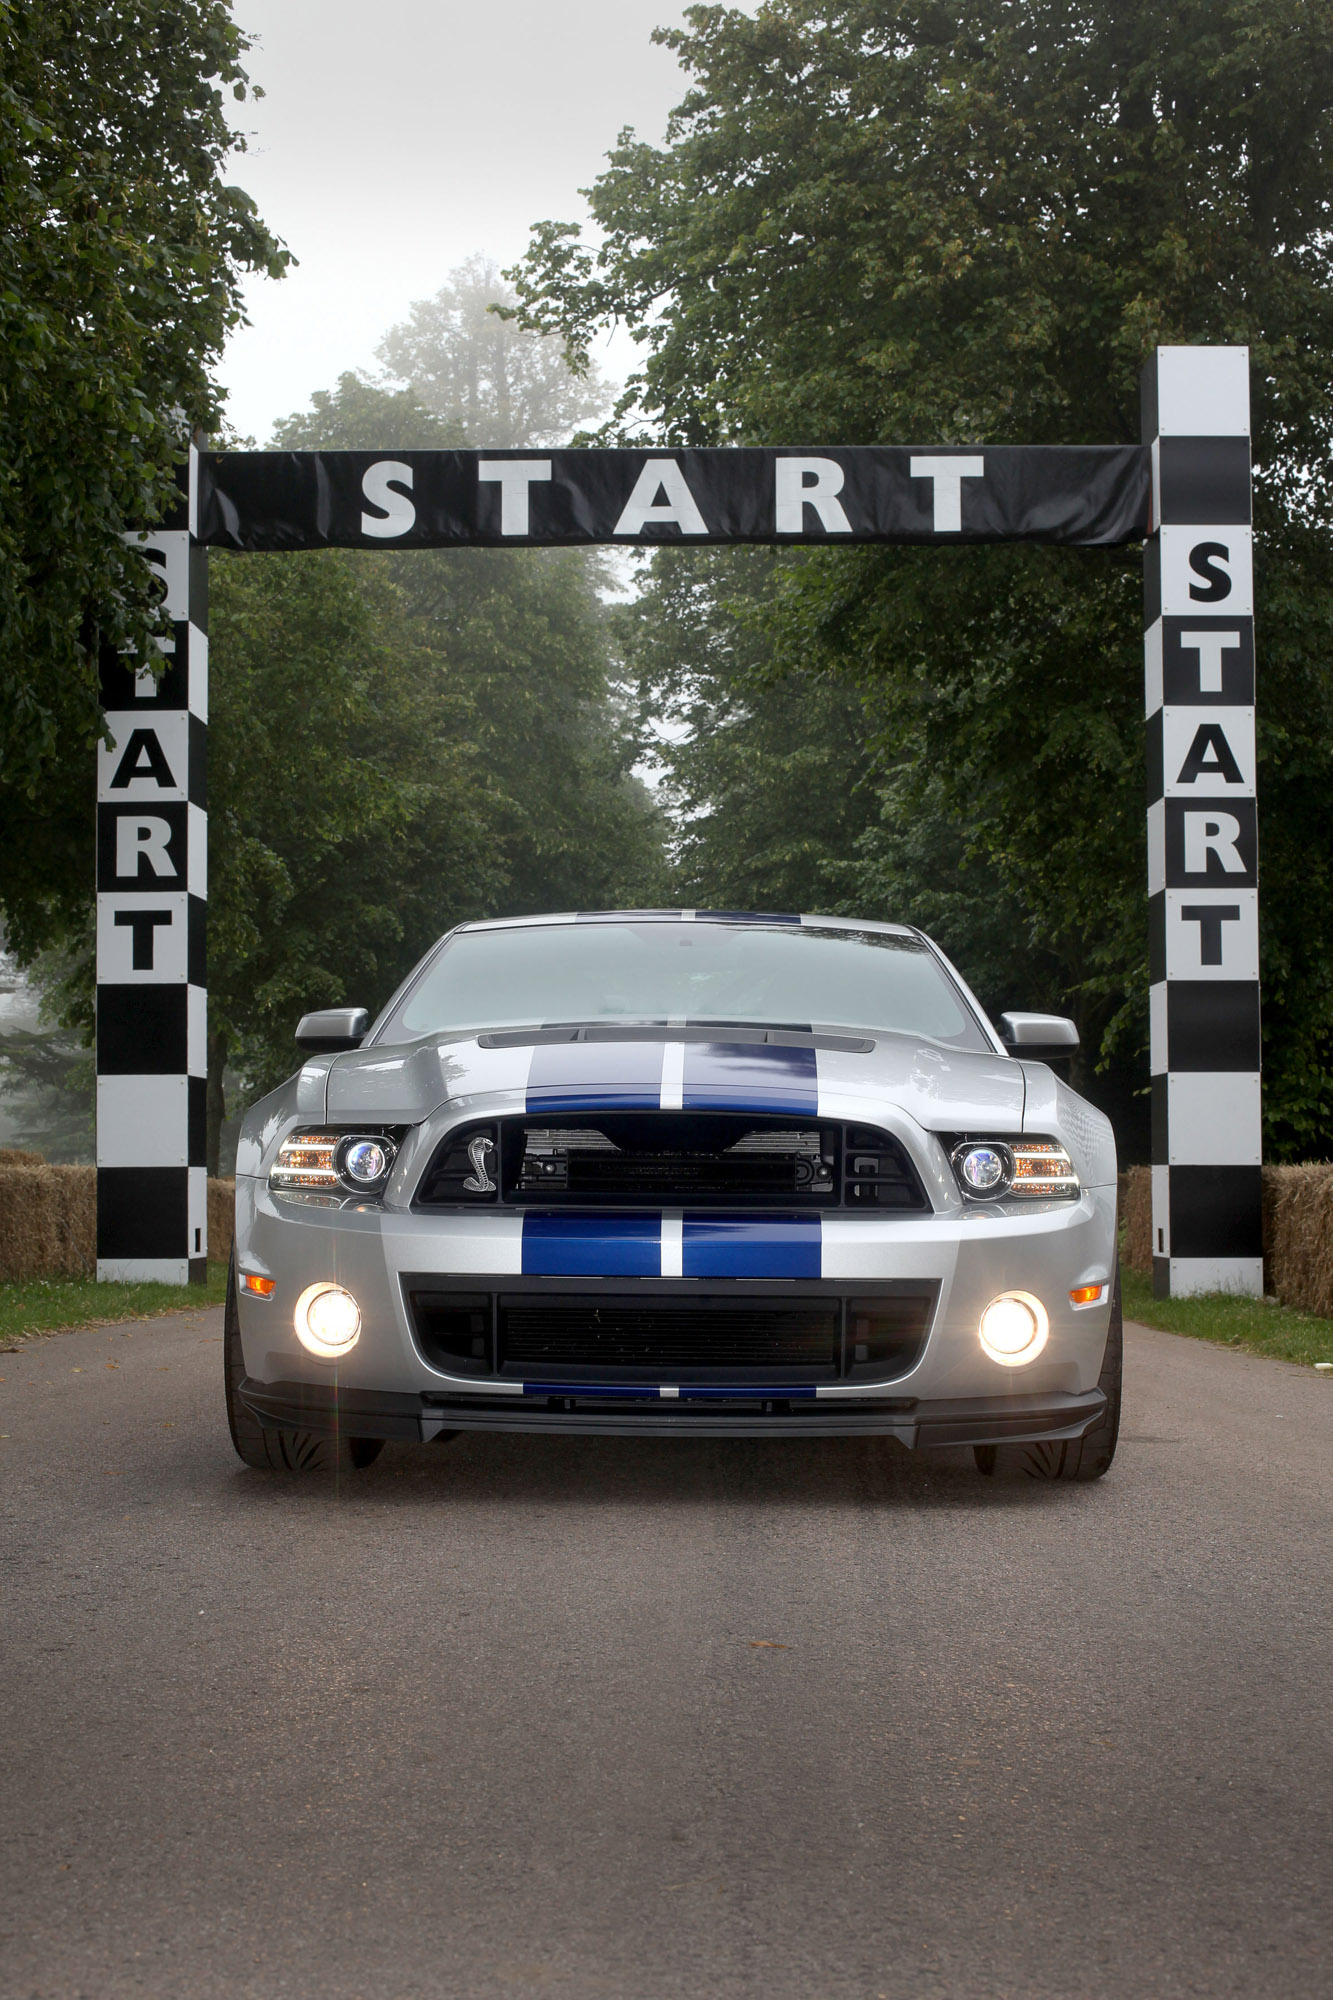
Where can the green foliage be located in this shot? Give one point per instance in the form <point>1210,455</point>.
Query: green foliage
<point>483,375</point>
<point>48,1086</point>
<point>398,742</point>
<point>764,774</point>
<point>883,222</point>
<point>901,221</point>
<point>522,638</point>
<point>122,253</point>
<point>346,824</point>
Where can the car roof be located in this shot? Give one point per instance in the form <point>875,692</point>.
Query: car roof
<point>692,916</point>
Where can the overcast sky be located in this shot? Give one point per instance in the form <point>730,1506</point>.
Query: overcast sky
<point>398,138</point>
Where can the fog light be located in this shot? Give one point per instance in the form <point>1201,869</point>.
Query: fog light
<point>1014,1328</point>
<point>327,1321</point>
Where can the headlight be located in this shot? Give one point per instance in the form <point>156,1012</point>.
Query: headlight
<point>361,1161</point>
<point>985,1169</point>
<point>1014,1329</point>
<point>327,1321</point>
<point>366,1162</point>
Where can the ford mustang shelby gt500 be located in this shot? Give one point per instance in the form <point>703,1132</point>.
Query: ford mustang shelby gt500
<point>689,1172</point>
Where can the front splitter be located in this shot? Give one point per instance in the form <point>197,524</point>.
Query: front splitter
<point>333,1411</point>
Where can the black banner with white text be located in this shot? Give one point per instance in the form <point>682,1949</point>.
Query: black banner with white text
<point>1085,496</point>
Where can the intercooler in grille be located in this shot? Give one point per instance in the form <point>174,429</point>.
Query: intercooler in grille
<point>622,1337</point>
<point>583,1161</point>
<point>701,1336</point>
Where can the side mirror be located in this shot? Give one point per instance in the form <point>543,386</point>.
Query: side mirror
<point>1043,1037</point>
<point>331,1029</point>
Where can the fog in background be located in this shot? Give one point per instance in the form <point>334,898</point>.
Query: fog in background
<point>396,141</point>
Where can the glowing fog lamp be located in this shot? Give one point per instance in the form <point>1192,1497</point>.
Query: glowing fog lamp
<point>327,1321</point>
<point>1014,1329</point>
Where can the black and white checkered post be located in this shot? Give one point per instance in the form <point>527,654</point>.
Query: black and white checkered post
<point>152,1210</point>
<point>1202,850</point>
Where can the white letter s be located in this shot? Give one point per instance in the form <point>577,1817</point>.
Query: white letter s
<point>378,486</point>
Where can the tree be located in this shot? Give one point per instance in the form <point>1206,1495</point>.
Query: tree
<point>348,807</point>
<point>524,639</point>
<point>489,379</point>
<point>122,252</point>
<point>765,775</point>
<point>894,220</point>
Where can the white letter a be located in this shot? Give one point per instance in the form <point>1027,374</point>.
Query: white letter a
<point>661,475</point>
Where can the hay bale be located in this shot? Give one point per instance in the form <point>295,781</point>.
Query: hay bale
<point>48,1221</point>
<point>19,1156</point>
<point>1136,1216</point>
<point>1298,1235</point>
<point>221,1219</point>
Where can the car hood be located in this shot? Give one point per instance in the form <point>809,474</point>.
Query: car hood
<point>778,1072</point>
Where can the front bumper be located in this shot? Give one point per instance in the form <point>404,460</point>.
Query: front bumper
<point>331,1410</point>
<point>952,1394</point>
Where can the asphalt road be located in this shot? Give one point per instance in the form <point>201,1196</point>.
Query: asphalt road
<point>814,1720</point>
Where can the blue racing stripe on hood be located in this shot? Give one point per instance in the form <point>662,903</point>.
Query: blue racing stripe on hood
<point>749,1076</point>
<point>592,1246</point>
<point>757,1246</point>
<point>595,1076</point>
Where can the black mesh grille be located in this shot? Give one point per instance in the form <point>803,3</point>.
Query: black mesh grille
<point>676,1158</point>
<point>538,1335</point>
<point>545,1333</point>
<point>664,1158</point>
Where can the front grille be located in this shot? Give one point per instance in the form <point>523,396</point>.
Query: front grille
<point>582,1161</point>
<point>670,1159</point>
<point>550,1333</point>
<point>617,1336</point>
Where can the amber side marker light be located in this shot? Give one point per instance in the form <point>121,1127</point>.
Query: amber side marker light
<point>1087,1295</point>
<point>261,1288</point>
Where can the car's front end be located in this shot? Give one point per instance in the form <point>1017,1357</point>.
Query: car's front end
<point>678,1225</point>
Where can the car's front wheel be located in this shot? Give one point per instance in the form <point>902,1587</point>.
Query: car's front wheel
<point>1082,1458</point>
<point>279,1451</point>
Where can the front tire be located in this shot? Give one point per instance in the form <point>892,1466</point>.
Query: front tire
<point>279,1451</point>
<point>1085,1458</point>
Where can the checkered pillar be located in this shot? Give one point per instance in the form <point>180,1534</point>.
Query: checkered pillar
<point>1202,854</point>
<point>152,1209</point>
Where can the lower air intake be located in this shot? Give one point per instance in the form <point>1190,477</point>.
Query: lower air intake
<point>775,1339</point>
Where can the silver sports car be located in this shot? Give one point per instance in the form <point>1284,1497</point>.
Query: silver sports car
<point>696,1172</point>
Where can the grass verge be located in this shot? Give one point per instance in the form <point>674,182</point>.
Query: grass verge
<point>59,1305</point>
<point>1280,1332</point>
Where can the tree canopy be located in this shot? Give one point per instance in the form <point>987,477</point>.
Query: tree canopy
<point>489,379</point>
<point>122,251</point>
<point>900,221</point>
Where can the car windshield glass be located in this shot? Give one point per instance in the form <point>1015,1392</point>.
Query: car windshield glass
<point>775,975</point>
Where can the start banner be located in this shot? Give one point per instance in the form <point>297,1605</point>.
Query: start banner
<point>1083,496</point>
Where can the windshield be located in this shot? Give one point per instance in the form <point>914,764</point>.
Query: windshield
<point>772,975</point>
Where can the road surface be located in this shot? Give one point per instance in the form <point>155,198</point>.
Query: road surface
<point>567,1718</point>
